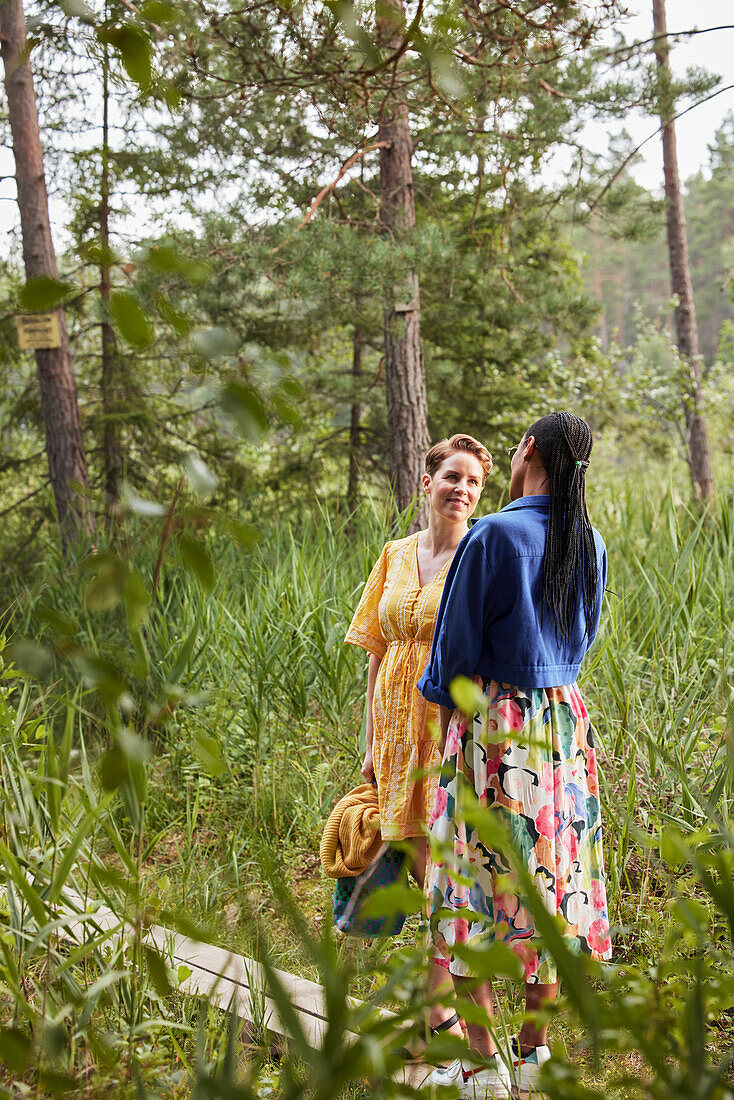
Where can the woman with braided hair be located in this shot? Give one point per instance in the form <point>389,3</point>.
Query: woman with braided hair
<point>519,610</point>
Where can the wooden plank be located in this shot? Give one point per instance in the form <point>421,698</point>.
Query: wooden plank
<point>235,981</point>
<point>309,996</point>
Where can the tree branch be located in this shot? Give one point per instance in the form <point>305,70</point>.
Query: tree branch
<point>670,34</point>
<point>330,186</point>
<point>656,131</point>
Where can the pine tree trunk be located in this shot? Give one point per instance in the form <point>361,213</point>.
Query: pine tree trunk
<point>112,457</point>
<point>407,415</point>
<point>355,430</point>
<point>57,384</point>
<point>598,283</point>
<point>699,454</point>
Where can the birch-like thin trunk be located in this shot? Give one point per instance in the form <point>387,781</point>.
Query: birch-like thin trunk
<point>407,414</point>
<point>57,384</point>
<point>686,328</point>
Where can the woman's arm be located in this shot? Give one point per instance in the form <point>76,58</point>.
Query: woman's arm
<point>368,770</point>
<point>444,715</point>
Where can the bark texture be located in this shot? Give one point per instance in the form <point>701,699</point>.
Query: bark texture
<point>57,384</point>
<point>686,327</point>
<point>407,414</point>
<point>111,453</point>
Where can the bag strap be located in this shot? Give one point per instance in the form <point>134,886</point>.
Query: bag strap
<point>360,883</point>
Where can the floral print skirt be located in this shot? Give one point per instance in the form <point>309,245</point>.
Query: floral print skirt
<point>532,758</point>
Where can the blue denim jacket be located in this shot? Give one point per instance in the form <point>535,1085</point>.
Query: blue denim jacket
<point>490,620</point>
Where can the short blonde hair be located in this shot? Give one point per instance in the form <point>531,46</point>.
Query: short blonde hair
<point>440,451</point>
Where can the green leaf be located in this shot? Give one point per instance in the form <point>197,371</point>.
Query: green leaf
<point>178,321</point>
<point>158,12</point>
<point>59,622</point>
<point>467,695</point>
<point>171,95</point>
<point>31,659</point>
<point>132,323</point>
<point>674,849</point>
<point>20,878</point>
<point>389,901</point>
<point>105,590</point>
<point>137,600</point>
<point>492,960</point>
<point>43,293</point>
<point>134,49</point>
<point>165,259</point>
<point>15,1049</point>
<point>209,754</point>
<point>113,768</point>
<point>213,343</point>
<point>102,675</point>
<point>64,869</point>
<point>54,1040</point>
<point>282,400</point>
<point>158,971</point>
<point>244,405</point>
<point>242,532</point>
<point>198,559</point>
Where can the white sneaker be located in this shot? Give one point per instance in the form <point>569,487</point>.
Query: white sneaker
<point>527,1066</point>
<point>491,1082</point>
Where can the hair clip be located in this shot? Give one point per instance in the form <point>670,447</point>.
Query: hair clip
<point>582,463</point>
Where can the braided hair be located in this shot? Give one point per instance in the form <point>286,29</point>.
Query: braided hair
<point>564,442</point>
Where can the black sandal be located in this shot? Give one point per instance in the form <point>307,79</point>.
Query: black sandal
<point>446,1024</point>
<point>410,1056</point>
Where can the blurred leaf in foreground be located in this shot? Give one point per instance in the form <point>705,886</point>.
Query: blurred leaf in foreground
<point>200,477</point>
<point>198,559</point>
<point>31,659</point>
<point>43,292</point>
<point>132,323</point>
<point>245,406</point>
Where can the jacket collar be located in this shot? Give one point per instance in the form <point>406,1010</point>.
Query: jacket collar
<point>538,500</point>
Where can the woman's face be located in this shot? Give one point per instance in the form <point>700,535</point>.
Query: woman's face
<point>455,488</point>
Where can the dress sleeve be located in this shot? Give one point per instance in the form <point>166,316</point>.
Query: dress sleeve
<point>364,629</point>
<point>459,635</point>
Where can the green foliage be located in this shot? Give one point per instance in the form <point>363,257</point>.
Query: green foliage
<point>245,709</point>
<point>182,711</point>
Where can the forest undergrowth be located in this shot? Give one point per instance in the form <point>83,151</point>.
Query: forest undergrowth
<point>175,753</point>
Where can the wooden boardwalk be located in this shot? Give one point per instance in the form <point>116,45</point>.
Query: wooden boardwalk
<point>233,982</point>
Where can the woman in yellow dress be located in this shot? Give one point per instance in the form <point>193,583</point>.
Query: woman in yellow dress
<point>394,622</point>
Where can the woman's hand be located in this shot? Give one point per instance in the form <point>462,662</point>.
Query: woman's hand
<point>445,717</point>
<point>368,770</point>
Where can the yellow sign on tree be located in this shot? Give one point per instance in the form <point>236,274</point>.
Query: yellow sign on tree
<point>38,330</point>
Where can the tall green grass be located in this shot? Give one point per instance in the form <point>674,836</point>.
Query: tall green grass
<point>660,679</point>
<point>181,751</point>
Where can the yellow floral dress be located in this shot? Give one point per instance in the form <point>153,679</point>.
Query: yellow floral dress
<point>395,620</point>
